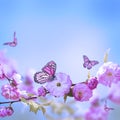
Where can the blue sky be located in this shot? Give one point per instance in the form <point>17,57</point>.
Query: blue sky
<point>61,30</point>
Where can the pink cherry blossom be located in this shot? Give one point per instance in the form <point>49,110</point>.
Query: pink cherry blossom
<point>17,77</point>
<point>117,74</point>
<point>6,111</point>
<point>7,66</point>
<point>114,93</point>
<point>96,110</point>
<point>1,73</point>
<point>2,56</point>
<point>28,82</point>
<point>10,92</point>
<point>108,73</point>
<point>41,91</point>
<point>82,92</point>
<point>3,112</point>
<point>8,69</point>
<point>96,113</point>
<point>9,111</point>
<point>60,85</point>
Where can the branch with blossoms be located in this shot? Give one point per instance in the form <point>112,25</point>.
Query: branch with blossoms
<point>58,85</point>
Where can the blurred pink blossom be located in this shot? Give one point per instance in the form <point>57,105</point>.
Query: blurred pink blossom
<point>96,113</point>
<point>82,92</point>
<point>7,66</point>
<point>108,73</point>
<point>28,83</point>
<point>114,93</point>
<point>96,110</point>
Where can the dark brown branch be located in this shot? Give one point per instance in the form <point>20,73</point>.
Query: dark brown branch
<point>14,101</point>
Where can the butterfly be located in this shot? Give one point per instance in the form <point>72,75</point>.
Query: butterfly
<point>106,108</point>
<point>89,63</point>
<point>13,43</point>
<point>47,73</point>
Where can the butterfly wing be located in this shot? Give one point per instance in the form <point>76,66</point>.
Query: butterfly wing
<point>7,43</point>
<point>11,44</point>
<point>50,68</point>
<point>47,73</point>
<point>89,63</point>
<point>86,61</point>
<point>89,66</point>
<point>94,62</point>
<point>41,77</point>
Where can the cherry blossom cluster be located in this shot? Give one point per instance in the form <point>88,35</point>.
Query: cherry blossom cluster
<point>16,88</point>
<point>6,111</point>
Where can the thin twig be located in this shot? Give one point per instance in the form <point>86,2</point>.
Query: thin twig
<point>14,101</point>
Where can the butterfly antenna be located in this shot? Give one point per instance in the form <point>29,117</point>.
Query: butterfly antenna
<point>106,55</point>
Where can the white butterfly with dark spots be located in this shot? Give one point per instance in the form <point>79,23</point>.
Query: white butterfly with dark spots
<point>47,73</point>
<point>89,63</point>
<point>13,43</point>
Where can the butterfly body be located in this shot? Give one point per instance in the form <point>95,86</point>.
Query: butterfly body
<point>47,74</point>
<point>13,43</point>
<point>89,63</point>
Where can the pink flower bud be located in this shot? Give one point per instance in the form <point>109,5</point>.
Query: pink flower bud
<point>92,83</point>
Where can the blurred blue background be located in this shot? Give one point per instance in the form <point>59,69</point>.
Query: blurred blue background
<point>59,30</point>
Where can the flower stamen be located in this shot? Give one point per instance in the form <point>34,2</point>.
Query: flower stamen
<point>58,84</point>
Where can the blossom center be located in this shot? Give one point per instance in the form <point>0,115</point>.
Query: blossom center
<point>109,74</point>
<point>58,84</point>
<point>79,94</point>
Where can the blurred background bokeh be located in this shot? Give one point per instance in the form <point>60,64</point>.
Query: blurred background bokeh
<point>63,31</point>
